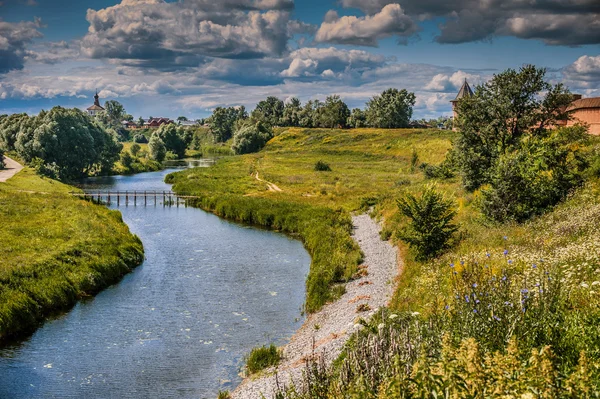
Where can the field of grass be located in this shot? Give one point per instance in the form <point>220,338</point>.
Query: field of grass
<point>518,297</point>
<point>55,249</point>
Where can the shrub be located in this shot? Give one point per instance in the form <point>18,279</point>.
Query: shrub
<point>251,137</point>
<point>140,138</point>
<point>157,148</point>
<point>431,226</point>
<point>126,159</point>
<point>263,357</point>
<point>441,171</point>
<point>535,177</point>
<point>1,160</point>
<point>224,395</point>
<point>135,149</point>
<point>321,166</point>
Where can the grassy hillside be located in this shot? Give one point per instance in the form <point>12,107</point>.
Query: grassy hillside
<point>507,303</point>
<point>55,249</point>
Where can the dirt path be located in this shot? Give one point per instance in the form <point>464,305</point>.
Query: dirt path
<point>11,168</point>
<point>270,186</point>
<point>328,329</point>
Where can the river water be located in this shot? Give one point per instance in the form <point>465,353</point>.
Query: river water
<point>180,324</point>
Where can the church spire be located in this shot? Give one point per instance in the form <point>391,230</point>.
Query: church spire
<point>97,99</point>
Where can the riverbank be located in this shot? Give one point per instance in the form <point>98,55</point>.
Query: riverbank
<point>325,332</point>
<point>55,250</point>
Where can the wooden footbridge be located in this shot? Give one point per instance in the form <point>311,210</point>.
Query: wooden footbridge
<point>135,198</point>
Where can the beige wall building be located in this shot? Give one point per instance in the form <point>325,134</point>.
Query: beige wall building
<point>586,111</point>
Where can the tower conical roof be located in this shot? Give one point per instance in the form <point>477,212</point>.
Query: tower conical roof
<point>465,91</point>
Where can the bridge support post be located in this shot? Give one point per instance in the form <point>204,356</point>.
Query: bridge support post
<point>126,198</point>
<point>118,199</point>
<point>145,199</point>
<point>134,198</point>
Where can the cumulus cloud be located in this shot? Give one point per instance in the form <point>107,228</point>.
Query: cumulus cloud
<point>327,62</point>
<point>157,34</point>
<point>555,22</point>
<point>452,82</point>
<point>14,39</point>
<point>366,31</point>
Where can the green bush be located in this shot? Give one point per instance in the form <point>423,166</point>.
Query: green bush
<point>262,358</point>
<point>536,176</point>
<point>251,137</point>
<point>140,138</point>
<point>1,159</point>
<point>431,226</point>
<point>321,166</point>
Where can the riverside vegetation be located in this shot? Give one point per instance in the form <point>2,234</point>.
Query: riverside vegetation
<point>508,306</point>
<point>55,250</point>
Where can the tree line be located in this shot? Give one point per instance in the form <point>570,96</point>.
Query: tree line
<point>391,109</point>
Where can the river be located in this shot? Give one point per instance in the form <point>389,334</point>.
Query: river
<point>180,324</point>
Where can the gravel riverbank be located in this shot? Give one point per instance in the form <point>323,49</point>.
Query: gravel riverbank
<point>328,329</point>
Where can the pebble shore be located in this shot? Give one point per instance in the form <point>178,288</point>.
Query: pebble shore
<point>325,332</point>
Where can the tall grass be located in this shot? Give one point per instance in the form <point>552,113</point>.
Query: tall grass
<point>55,249</point>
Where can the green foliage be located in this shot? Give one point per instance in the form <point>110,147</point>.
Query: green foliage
<point>537,175</point>
<point>222,122</point>
<point>431,227</point>
<point>357,119</point>
<point>224,395</point>
<point>115,112</point>
<point>66,141</point>
<point>135,149</point>
<point>291,113</point>
<point>55,249</point>
<point>269,111</point>
<point>262,358</point>
<point>182,119</point>
<point>335,113</point>
<point>251,137</point>
<point>321,166</point>
<point>126,159</point>
<point>414,160</point>
<point>504,110</point>
<point>174,139</point>
<point>2,165</point>
<point>391,109</point>
<point>157,148</point>
<point>140,138</point>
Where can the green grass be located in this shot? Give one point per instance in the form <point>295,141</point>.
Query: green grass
<point>55,249</point>
<point>262,358</point>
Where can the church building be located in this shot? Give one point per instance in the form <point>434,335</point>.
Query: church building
<point>96,108</point>
<point>465,91</point>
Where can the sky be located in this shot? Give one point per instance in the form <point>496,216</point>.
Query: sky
<point>186,57</point>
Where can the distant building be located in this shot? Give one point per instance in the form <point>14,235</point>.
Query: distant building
<point>129,125</point>
<point>156,122</point>
<point>96,108</point>
<point>464,92</point>
<point>586,111</point>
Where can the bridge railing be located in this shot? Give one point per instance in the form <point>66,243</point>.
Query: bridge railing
<point>135,197</point>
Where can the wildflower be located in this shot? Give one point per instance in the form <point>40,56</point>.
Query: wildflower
<point>524,291</point>
<point>584,285</point>
<point>487,254</point>
<point>415,314</point>
<point>505,238</point>
<point>455,273</point>
<point>507,303</point>
<point>503,278</point>
<point>534,266</point>
<point>392,316</point>
<point>505,252</point>
<point>446,307</point>
<point>496,318</point>
<point>474,285</point>
<point>595,283</point>
<point>474,310</point>
<point>510,261</point>
<point>380,326</point>
<point>462,262</point>
<point>451,264</point>
<point>477,301</point>
<point>467,298</point>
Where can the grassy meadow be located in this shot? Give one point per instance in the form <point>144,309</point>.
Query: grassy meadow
<point>516,300</point>
<point>55,249</point>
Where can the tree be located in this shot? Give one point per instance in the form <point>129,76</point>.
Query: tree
<point>392,109</point>
<point>115,112</point>
<point>126,160</point>
<point>251,137</point>
<point>140,122</point>
<point>431,227</point>
<point>335,112</point>
<point>357,118</point>
<point>2,165</point>
<point>173,137</point>
<point>310,115</point>
<point>140,138</point>
<point>269,111</point>
<point>135,149</point>
<point>182,119</point>
<point>501,112</point>
<point>68,142</point>
<point>222,122</point>
<point>291,113</point>
<point>157,148</point>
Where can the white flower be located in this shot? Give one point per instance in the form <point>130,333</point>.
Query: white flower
<point>380,326</point>
<point>595,283</point>
<point>415,314</point>
<point>392,316</point>
<point>584,285</point>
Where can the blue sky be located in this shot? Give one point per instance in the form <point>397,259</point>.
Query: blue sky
<point>187,57</point>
